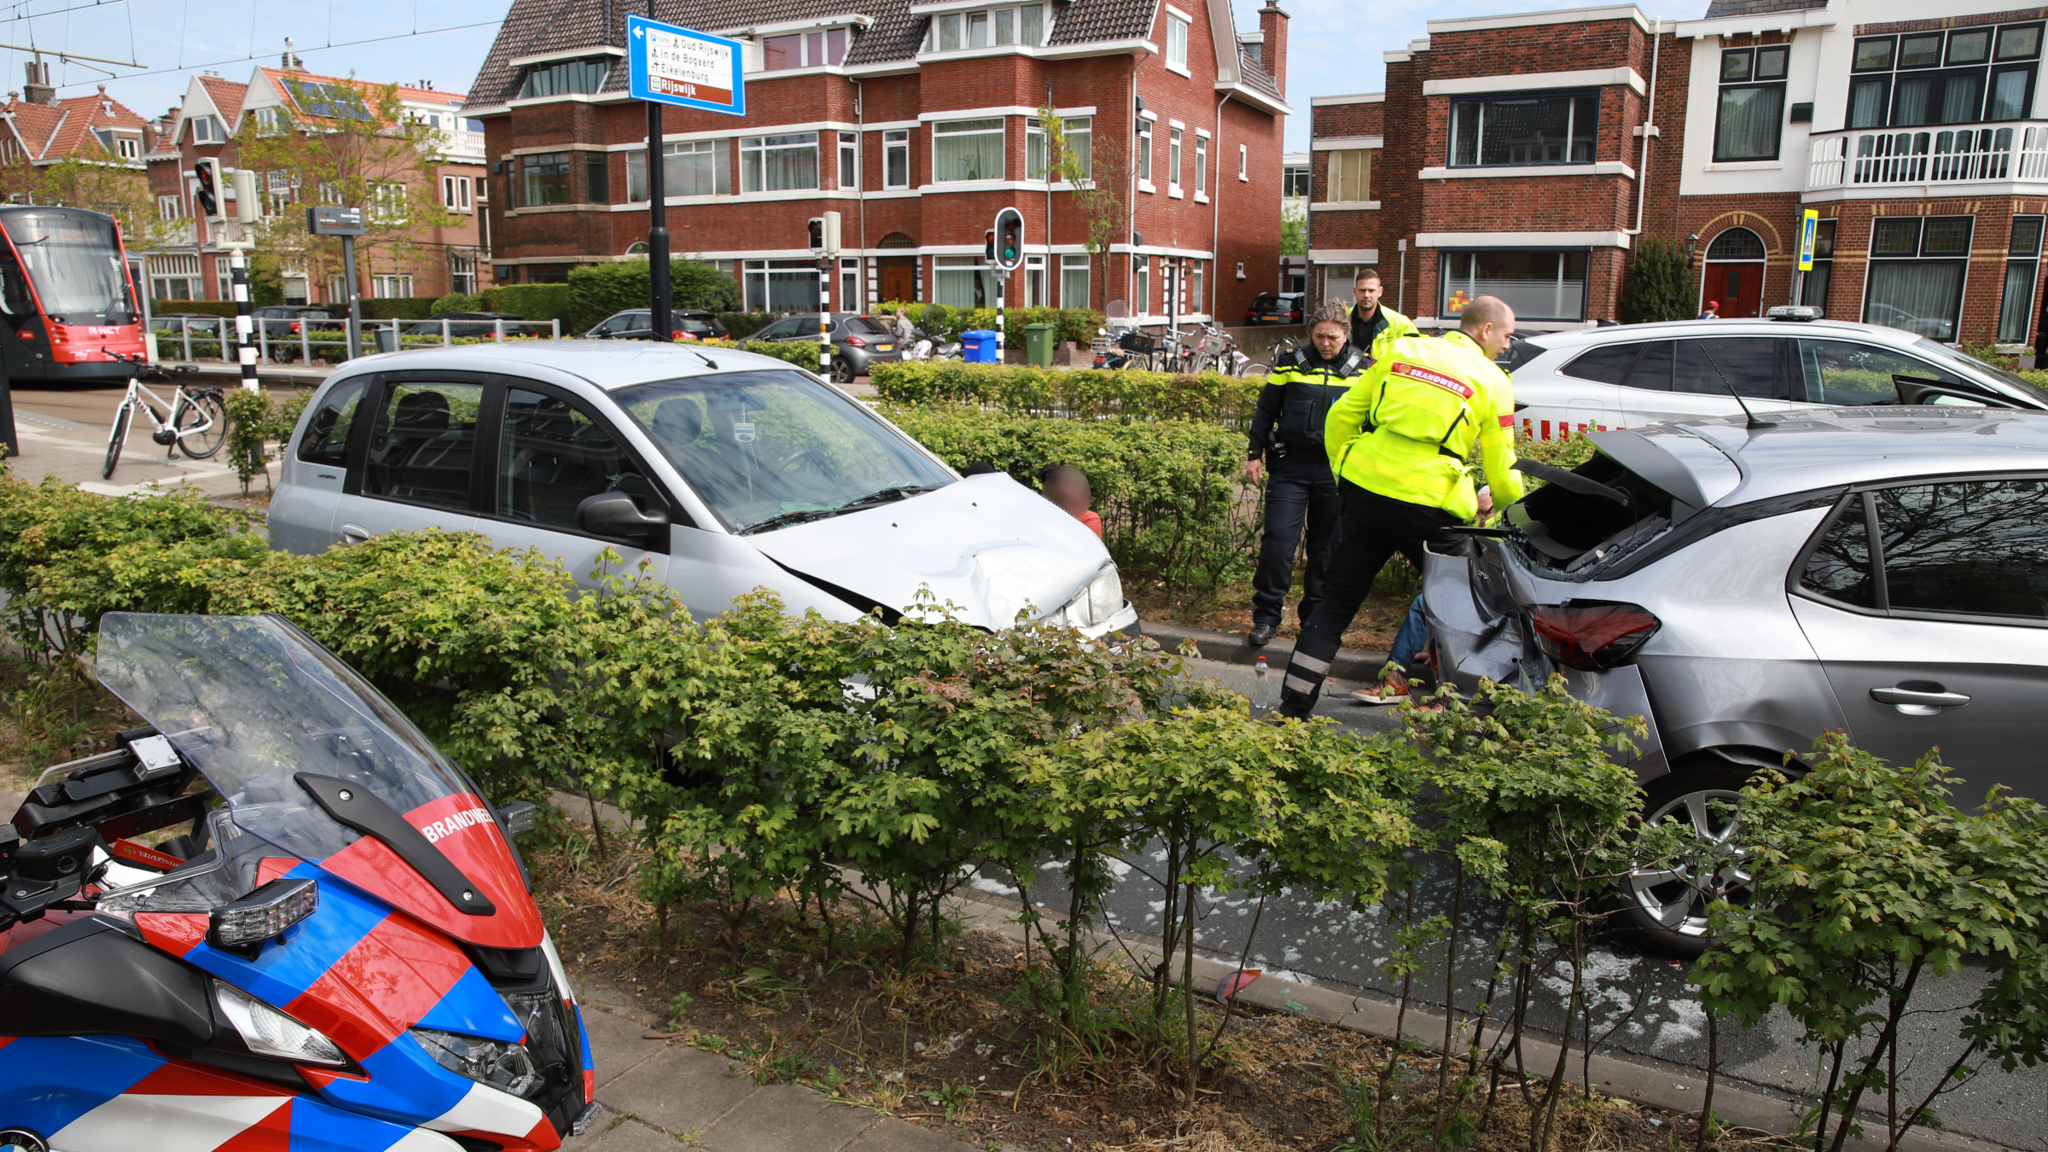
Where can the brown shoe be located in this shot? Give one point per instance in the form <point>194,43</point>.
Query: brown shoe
<point>1383,693</point>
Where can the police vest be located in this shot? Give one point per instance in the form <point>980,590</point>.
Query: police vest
<point>1310,392</point>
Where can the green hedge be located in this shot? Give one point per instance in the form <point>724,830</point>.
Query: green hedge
<point>396,307</point>
<point>1167,491</point>
<point>195,307</point>
<point>1072,391</point>
<point>744,324</point>
<point>1076,324</point>
<point>533,301</point>
<point>615,286</point>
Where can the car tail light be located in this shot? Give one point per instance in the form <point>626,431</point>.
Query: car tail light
<point>1591,635</point>
<point>295,327</point>
<point>856,341</point>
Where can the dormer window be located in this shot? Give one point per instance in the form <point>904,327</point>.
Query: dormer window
<point>989,28</point>
<point>270,121</point>
<point>584,77</point>
<point>208,130</point>
<point>804,49</point>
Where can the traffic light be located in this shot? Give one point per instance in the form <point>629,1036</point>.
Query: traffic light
<point>989,245</point>
<point>208,194</point>
<point>248,205</point>
<point>1009,240</point>
<point>825,234</point>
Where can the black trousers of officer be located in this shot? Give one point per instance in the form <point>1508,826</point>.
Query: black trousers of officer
<point>1371,528</point>
<point>1300,492</point>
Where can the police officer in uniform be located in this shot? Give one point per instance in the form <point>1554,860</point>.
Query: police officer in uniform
<point>1374,326</point>
<point>1288,428</point>
<point>1397,443</point>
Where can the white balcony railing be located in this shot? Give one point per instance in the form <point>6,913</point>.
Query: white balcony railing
<point>1959,155</point>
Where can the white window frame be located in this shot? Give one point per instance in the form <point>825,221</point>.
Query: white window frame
<point>1177,28</point>
<point>1073,130</point>
<point>895,141</point>
<point>753,160</point>
<point>1173,157</point>
<point>170,207</point>
<point>1076,265</point>
<point>849,160</point>
<point>850,298</point>
<point>1144,132</point>
<point>1197,288</point>
<point>208,130</point>
<point>455,194</point>
<point>1244,163</point>
<point>224,277</point>
<point>389,203</point>
<point>1141,286</point>
<point>1034,283</point>
<point>128,147</point>
<point>382,286</point>
<point>1201,165</point>
<point>950,128</point>
<point>1334,181</point>
<point>462,270</point>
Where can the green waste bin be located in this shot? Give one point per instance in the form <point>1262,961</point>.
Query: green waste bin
<point>1038,345</point>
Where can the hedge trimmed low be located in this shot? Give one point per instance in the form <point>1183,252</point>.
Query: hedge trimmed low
<point>1080,392</point>
<point>1076,324</point>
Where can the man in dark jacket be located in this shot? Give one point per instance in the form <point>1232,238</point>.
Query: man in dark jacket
<point>1301,491</point>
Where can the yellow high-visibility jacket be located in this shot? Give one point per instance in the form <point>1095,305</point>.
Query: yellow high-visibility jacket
<point>1407,427</point>
<point>1397,327</point>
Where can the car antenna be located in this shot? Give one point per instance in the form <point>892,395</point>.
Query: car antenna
<point>1752,422</point>
<point>708,360</point>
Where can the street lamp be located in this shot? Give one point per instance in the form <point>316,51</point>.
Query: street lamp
<point>1692,241</point>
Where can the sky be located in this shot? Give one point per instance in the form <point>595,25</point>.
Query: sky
<point>1335,45</point>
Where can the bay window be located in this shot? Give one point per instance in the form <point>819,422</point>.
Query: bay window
<point>547,178</point>
<point>1547,128</point>
<point>1917,265</point>
<point>1075,131</point>
<point>1537,285</point>
<point>967,150</point>
<point>688,168</point>
<point>779,163</point>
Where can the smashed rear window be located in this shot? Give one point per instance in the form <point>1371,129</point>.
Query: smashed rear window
<point>1573,534</point>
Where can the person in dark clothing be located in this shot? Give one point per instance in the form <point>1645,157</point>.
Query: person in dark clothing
<point>1300,490</point>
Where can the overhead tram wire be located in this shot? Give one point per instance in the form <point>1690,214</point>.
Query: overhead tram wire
<point>344,44</point>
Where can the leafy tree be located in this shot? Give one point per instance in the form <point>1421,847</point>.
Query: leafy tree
<point>106,185</point>
<point>1659,286</point>
<point>1093,180</point>
<point>1293,231</point>
<point>363,149</point>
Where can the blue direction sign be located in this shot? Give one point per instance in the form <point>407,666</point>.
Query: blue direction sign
<point>1809,224</point>
<point>686,68</point>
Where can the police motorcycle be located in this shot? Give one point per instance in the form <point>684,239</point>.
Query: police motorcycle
<point>339,950</point>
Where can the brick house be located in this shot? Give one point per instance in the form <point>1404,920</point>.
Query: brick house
<point>206,123</point>
<point>42,130</point>
<point>917,123</point>
<point>1539,157</point>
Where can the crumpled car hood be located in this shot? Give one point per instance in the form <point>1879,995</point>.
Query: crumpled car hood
<point>986,544</point>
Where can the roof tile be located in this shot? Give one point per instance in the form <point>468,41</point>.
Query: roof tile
<point>52,131</point>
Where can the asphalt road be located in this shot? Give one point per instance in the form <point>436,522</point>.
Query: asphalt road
<point>1640,1003</point>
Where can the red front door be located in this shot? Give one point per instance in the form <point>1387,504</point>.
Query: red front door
<point>1738,285</point>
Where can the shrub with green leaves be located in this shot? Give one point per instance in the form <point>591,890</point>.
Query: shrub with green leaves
<point>1166,490</point>
<point>1868,882</point>
<point>1076,324</point>
<point>602,289</point>
<point>1077,392</point>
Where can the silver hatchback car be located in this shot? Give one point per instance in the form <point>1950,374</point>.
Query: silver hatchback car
<point>720,470</point>
<point>1745,586</point>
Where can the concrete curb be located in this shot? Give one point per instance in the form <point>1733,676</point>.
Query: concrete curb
<point>1230,648</point>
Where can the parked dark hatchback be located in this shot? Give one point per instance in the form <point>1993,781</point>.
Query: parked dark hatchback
<point>638,324</point>
<point>1276,308</point>
<point>857,340</point>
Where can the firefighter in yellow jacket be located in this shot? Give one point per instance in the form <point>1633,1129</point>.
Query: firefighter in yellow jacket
<point>1398,442</point>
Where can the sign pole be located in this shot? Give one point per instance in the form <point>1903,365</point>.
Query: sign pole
<point>825,317</point>
<point>245,336</point>
<point>657,225</point>
<point>355,303</point>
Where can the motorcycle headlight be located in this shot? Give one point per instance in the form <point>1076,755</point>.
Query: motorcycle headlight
<point>269,1032</point>
<point>501,1065</point>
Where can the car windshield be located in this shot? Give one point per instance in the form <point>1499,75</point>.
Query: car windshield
<point>762,448</point>
<point>693,325</point>
<point>1948,355</point>
<point>252,701</point>
<point>74,261</point>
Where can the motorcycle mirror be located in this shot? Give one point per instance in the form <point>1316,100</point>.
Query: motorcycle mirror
<point>518,818</point>
<point>263,914</point>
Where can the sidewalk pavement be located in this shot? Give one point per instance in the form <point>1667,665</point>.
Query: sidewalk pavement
<point>63,433</point>
<point>657,1094</point>
<point>1361,664</point>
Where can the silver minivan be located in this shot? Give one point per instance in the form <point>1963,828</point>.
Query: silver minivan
<point>721,470</point>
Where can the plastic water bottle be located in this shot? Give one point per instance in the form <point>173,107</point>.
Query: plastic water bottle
<point>1262,687</point>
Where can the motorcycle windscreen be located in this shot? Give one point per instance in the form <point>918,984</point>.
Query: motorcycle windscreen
<point>253,702</point>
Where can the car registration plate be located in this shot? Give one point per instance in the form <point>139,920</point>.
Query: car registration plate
<point>885,347</point>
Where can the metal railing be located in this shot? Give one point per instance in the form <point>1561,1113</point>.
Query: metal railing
<point>200,339</point>
<point>1956,155</point>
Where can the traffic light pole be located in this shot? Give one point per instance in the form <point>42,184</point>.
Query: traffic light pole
<point>657,226</point>
<point>245,332</point>
<point>825,317</point>
<point>1002,330</point>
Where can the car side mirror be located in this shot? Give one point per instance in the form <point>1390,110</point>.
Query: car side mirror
<point>614,514</point>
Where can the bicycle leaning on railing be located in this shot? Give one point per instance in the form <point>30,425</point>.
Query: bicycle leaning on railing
<point>198,421</point>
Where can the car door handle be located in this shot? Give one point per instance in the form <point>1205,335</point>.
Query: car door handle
<point>353,534</point>
<point>1915,700</point>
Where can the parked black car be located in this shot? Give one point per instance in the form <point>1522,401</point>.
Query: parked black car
<point>638,324</point>
<point>859,340</point>
<point>1276,308</point>
<point>279,326</point>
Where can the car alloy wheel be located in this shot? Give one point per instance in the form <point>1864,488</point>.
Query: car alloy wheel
<point>1663,905</point>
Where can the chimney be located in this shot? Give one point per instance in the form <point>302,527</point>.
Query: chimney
<point>38,88</point>
<point>1273,50</point>
<point>290,61</point>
